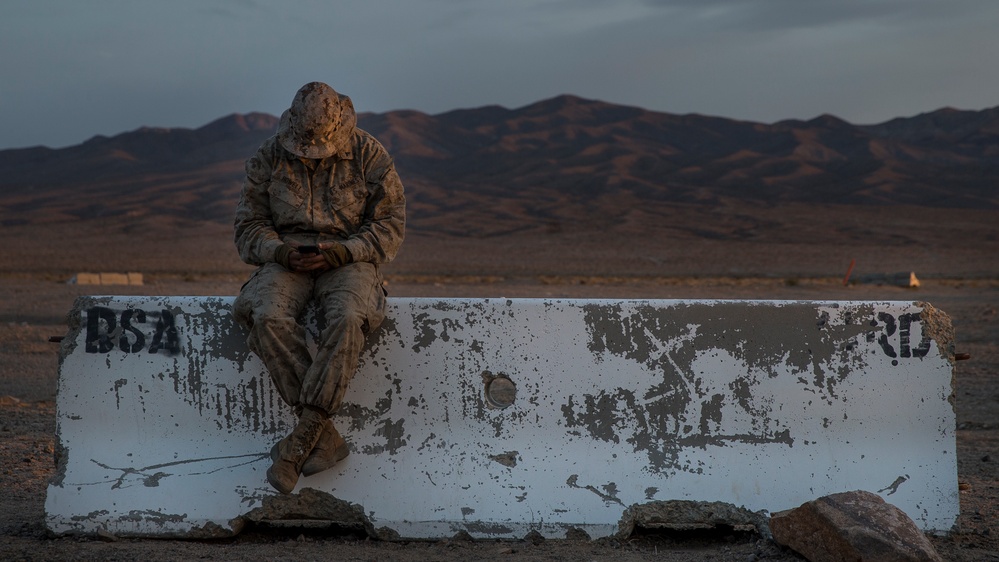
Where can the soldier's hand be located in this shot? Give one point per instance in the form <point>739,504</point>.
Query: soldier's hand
<point>304,263</point>
<point>335,253</point>
<point>282,256</point>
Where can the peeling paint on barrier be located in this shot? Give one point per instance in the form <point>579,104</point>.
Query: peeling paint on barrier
<point>502,417</point>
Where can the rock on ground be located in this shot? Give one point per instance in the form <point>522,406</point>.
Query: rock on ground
<point>852,526</point>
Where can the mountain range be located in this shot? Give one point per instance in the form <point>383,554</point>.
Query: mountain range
<point>490,170</point>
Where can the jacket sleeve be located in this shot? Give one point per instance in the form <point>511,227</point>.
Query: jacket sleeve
<point>255,236</point>
<point>384,225</point>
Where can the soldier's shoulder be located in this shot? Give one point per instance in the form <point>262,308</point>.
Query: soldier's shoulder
<point>372,149</point>
<point>270,146</point>
<point>270,150</point>
<point>258,165</point>
<point>364,138</point>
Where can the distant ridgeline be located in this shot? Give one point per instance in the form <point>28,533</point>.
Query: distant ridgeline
<point>541,152</point>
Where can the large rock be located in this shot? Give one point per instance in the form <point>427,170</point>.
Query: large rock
<point>855,526</point>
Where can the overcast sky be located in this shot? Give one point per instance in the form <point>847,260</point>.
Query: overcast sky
<point>72,69</point>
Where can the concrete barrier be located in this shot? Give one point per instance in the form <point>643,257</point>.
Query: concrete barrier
<point>498,417</point>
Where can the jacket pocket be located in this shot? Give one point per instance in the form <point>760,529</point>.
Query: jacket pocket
<point>286,202</point>
<point>345,197</point>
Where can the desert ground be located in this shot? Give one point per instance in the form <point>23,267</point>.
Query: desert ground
<point>959,275</point>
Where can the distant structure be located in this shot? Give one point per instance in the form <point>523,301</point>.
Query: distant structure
<point>903,279</point>
<point>130,278</point>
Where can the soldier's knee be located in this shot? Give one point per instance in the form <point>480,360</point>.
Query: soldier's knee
<point>350,319</point>
<point>274,322</point>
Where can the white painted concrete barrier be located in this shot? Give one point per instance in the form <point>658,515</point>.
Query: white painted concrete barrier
<point>499,417</point>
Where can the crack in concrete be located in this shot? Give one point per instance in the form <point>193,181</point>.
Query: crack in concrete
<point>152,480</point>
<point>609,497</point>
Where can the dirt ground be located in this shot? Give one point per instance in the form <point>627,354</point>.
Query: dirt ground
<point>33,308</point>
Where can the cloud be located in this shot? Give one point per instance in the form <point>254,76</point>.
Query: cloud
<point>774,15</point>
<point>107,66</point>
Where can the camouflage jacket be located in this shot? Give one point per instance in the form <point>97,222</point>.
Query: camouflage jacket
<point>354,197</point>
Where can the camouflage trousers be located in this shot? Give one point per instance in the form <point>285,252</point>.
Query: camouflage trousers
<point>352,302</point>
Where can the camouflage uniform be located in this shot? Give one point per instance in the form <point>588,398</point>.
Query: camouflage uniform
<point>354,197</point>
<point>342,188</point>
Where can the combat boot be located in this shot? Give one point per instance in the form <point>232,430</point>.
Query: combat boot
<point>329,450</point>
<point>289,454</point>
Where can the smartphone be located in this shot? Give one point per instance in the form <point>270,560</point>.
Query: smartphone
<point>308,249</point>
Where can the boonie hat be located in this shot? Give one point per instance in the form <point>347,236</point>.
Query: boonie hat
<point>319,123</point>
